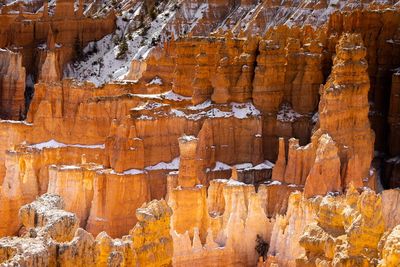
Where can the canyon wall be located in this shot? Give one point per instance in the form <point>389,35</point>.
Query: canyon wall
<point>41,44</point>
<point>51,236</point>
<point>12,80</point>
<point>196,123</point>
<point>338,154</point>
<point>335,230</point>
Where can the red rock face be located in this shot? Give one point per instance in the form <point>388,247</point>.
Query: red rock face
<point>341,150</point>
<point>12,85</point>
<point>344,101</point>
<point>194,123</point>
<point>40,49</point>
<point>299,58</point>
<point>110,191</point>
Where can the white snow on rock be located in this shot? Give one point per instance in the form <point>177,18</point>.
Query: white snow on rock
<point>395,160</point>
<point>156,81</point>
<point>274,183</point>
<point>242,111</point>
<point>287,114</point>
<point>239,111</point>
<point>220,166</point>
<point>243,166</point>
<point>15,122</point>
<point>236,183</point>
<point>167,95</point>
<point>173,165</point>
<point>144,118</point>
<point>69,167</point>
<point>140,42</point>
<point>54,144</point>
<point>315,117</point>
<point>128,172</point>
<point>204,105</point>
<point>174,97</point>
<point>265,165</point>
<point>188,138</point>
<point>148,106</point>
<point>205,109</point>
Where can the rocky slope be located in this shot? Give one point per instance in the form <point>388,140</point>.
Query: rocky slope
<point>191,102</point>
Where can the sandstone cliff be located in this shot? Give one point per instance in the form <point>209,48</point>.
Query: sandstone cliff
<point>333,230</point>
<point>51,237</point>
<point>338,155</point>
<point>12,85</point>
<point>195,122</point>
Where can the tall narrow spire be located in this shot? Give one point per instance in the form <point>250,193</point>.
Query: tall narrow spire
<point>51,42</point>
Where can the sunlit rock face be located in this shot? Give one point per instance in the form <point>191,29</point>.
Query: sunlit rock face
<point>12,85</point>
<point>191,102</point>
<point>349,230</point>
<point>340,151</point>
<point>345,100</point>
<point>50,236</point>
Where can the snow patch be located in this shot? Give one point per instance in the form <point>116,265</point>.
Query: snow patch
<point>287,114</point>
<point>128,172</point>
<point>274,183</point>
<point>188,138</point>
<point>54,144</point>
<point>69,167</point>
<point>156,81</point>
<point>16,122</point>
<point>395,160</point>
<point>266,165</point>
<point>235,183</point>
<point>242,111</point>
<point>173,165</point>
<point>220,166</point>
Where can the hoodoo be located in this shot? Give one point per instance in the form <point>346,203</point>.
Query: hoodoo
<point>200,133</point>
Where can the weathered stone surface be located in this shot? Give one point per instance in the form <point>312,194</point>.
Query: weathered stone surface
<point>50,239</point>
<point>324,175</point>
<point>394,115</point>
<point>278,172</point>
<point>189,166</point>
<point>115,198</point>
<point>73,29</point>
<point>390,202</point>
<point>344,101</point>
<point>218,229</point>
<point>189,87</point>
<point>12,85</point>
<point>331,229</point>
<point>338,154</point>
<point>390,250</point>
<point>50,71</point>
<point>46,217</point>
<point>75,185</point>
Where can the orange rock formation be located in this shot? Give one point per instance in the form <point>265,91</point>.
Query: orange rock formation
<point>149,242</point>
<point>195,122</point>
<point>338,154</point>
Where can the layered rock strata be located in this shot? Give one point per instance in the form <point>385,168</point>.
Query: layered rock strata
<point>338,155</point>
<point>12,85</point>
<point>184,115</point>
<point>225,222</point>
<point>51,237</point>
<point>334,230</point>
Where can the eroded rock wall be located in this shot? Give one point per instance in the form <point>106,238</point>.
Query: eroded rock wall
<point>339,154</point>
<point>12,85</point>
<point>51,237</point>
